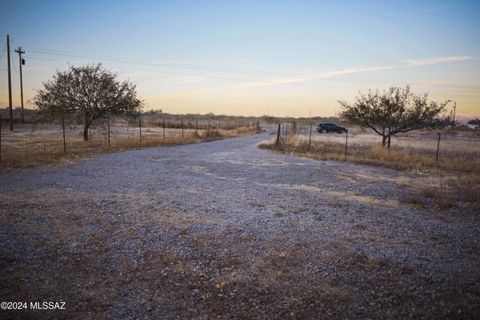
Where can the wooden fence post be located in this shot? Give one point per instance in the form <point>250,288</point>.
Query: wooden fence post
<point>438,147</point>
<point>196,126</point>
<point>182,127</point>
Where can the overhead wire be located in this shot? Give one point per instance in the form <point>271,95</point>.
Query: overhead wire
<point>3,52</point>
<point>63,53</point>
<point>141,63</point>
<point>150,63</point>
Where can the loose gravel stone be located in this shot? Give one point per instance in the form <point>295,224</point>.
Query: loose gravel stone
<point>226,230</point>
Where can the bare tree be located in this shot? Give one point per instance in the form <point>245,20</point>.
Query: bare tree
<point>394,111</point>
<point>90,92</point>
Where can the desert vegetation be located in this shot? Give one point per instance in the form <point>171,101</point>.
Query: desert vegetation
<point>427,143</point>
<point>453,177</point>
<point>394,111</point>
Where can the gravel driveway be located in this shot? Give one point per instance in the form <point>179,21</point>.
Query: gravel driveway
<point>226,230</point>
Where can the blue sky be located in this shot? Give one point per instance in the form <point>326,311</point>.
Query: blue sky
<point>254,57</point>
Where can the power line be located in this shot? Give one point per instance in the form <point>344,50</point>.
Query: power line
<point>63,53</point>
<point>15,67</point>
<point>304,85</point>
<point>150,63</point>
<point>3,52</point>
<point>21,62</point>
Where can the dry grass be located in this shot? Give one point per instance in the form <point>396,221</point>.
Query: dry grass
<point>445,193</point>
<point>44,147</point>
<point>459,160</point>
<point>396,158</point>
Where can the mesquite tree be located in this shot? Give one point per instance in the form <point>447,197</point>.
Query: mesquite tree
<point>394,111</point>
<point>90,92</point>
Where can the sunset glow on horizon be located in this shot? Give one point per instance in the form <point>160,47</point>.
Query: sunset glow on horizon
<point>282,58</point>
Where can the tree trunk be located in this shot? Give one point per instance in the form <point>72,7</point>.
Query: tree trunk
<point>85,133</point>
<point>389,138</point>
<point>85,127</point>
<point>384,140</point>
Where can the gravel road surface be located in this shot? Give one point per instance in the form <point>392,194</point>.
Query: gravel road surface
<point>226,230</point>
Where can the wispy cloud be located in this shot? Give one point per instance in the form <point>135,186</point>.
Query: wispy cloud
<point>318,76</point>
<point>332,74</point>
<point>437,60</point>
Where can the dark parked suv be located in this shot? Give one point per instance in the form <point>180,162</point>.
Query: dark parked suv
<point>330,127</point>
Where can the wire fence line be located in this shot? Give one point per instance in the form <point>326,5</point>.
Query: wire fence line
<point>67,136</point>
<point>434,144</point>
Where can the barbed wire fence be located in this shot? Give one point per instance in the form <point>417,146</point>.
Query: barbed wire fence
<point>433,144</point>
<point>66,135</point>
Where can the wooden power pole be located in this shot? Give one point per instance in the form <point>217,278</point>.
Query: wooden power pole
<point>9,83</point>
<point>21,62</point>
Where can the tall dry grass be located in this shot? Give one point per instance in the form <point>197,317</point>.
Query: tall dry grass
<point>398,157</point>
<point>457,170</point>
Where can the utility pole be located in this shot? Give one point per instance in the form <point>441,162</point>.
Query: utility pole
<point>21,62</point>
<point>9,84</point>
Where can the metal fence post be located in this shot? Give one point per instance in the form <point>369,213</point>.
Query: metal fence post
<point>438,147</point>
<point>163,125</point>
<point>309,139</point>
<point>346,145</point>
<point>108,131</point>
<point>63,131</point>
<point>140,127</point>
<point>278,136</point>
